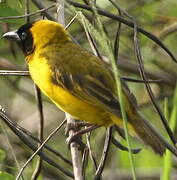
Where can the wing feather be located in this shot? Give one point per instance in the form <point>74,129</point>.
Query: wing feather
<point>88,89</point>
<point>92,82</point>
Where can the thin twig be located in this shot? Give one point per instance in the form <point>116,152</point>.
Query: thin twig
<point>40,131</point>
<point>40,5</point>
<point>122,147</point>
<point>83,131</point>
<point>126,22</point>
<point>104,154</point>
<point>71,21</point>
<point>27,11</point>
<point>39,148</point>
<point>84,160</point>
<point>27,15</point>
<point>140,80</point>
<point>12,124</point>
<point>10,147</point>
<point>117,39</point>
<point>92,43</point>
<point>149,90</point>
<point>23,137</point>
<point>14,73</point>
<point>130,67</point>
<point>91,153</point>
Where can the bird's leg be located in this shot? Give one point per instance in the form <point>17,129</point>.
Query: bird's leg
<point>75,126</point>
<point>77,134</point>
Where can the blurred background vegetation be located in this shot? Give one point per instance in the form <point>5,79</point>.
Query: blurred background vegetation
<point>17,93</point>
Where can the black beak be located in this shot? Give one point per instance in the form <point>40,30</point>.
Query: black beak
<point>11,35</point>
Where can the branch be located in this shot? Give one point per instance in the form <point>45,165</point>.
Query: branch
<point>22,135</point>
<point>74,152</point>
<point>39,149</point>
<point>40,5</point>
<point>128,23</point>
<point>27,15</point>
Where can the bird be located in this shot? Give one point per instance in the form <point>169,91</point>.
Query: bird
<point>79,82</point>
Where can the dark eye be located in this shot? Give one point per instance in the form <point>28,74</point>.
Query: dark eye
<point>23,35</point>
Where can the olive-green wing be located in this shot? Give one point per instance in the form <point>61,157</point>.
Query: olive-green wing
<point>89,89</point>
<point>85,76</point>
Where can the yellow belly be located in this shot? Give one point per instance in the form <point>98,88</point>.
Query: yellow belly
<point>41,75</point>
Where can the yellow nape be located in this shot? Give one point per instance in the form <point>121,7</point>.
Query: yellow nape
<point>45,32</point>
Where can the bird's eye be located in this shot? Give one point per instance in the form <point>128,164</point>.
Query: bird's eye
<point>23,35</point>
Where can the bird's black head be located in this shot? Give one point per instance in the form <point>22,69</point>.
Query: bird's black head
<point>23,37</point>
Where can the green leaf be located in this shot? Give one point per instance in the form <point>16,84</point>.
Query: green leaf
<point>6,10</point>
<point>6,176</point>
<point>2,155</point>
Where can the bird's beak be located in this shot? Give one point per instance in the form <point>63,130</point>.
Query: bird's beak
<point>11,35</point>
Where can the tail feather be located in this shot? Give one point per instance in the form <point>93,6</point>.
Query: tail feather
<point>149,135</point>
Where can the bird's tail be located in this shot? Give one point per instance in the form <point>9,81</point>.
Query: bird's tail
<point>146,132</point>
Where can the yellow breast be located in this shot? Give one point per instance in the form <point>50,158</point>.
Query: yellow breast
<point>41,75</point>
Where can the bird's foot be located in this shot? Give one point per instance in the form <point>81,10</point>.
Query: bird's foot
<point>76,135</point>
<point>75,126</point>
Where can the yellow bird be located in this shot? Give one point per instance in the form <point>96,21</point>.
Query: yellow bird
<point>77,81</point>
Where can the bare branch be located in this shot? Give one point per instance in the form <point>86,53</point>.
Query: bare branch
<point>41,6</point>
<point>14,73</point>
<point>77,168</point>
<point>104,154</point>
<point>27,15</point>
<point>128,23</point>
<point>39,149</point>
<point>40,130</point>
